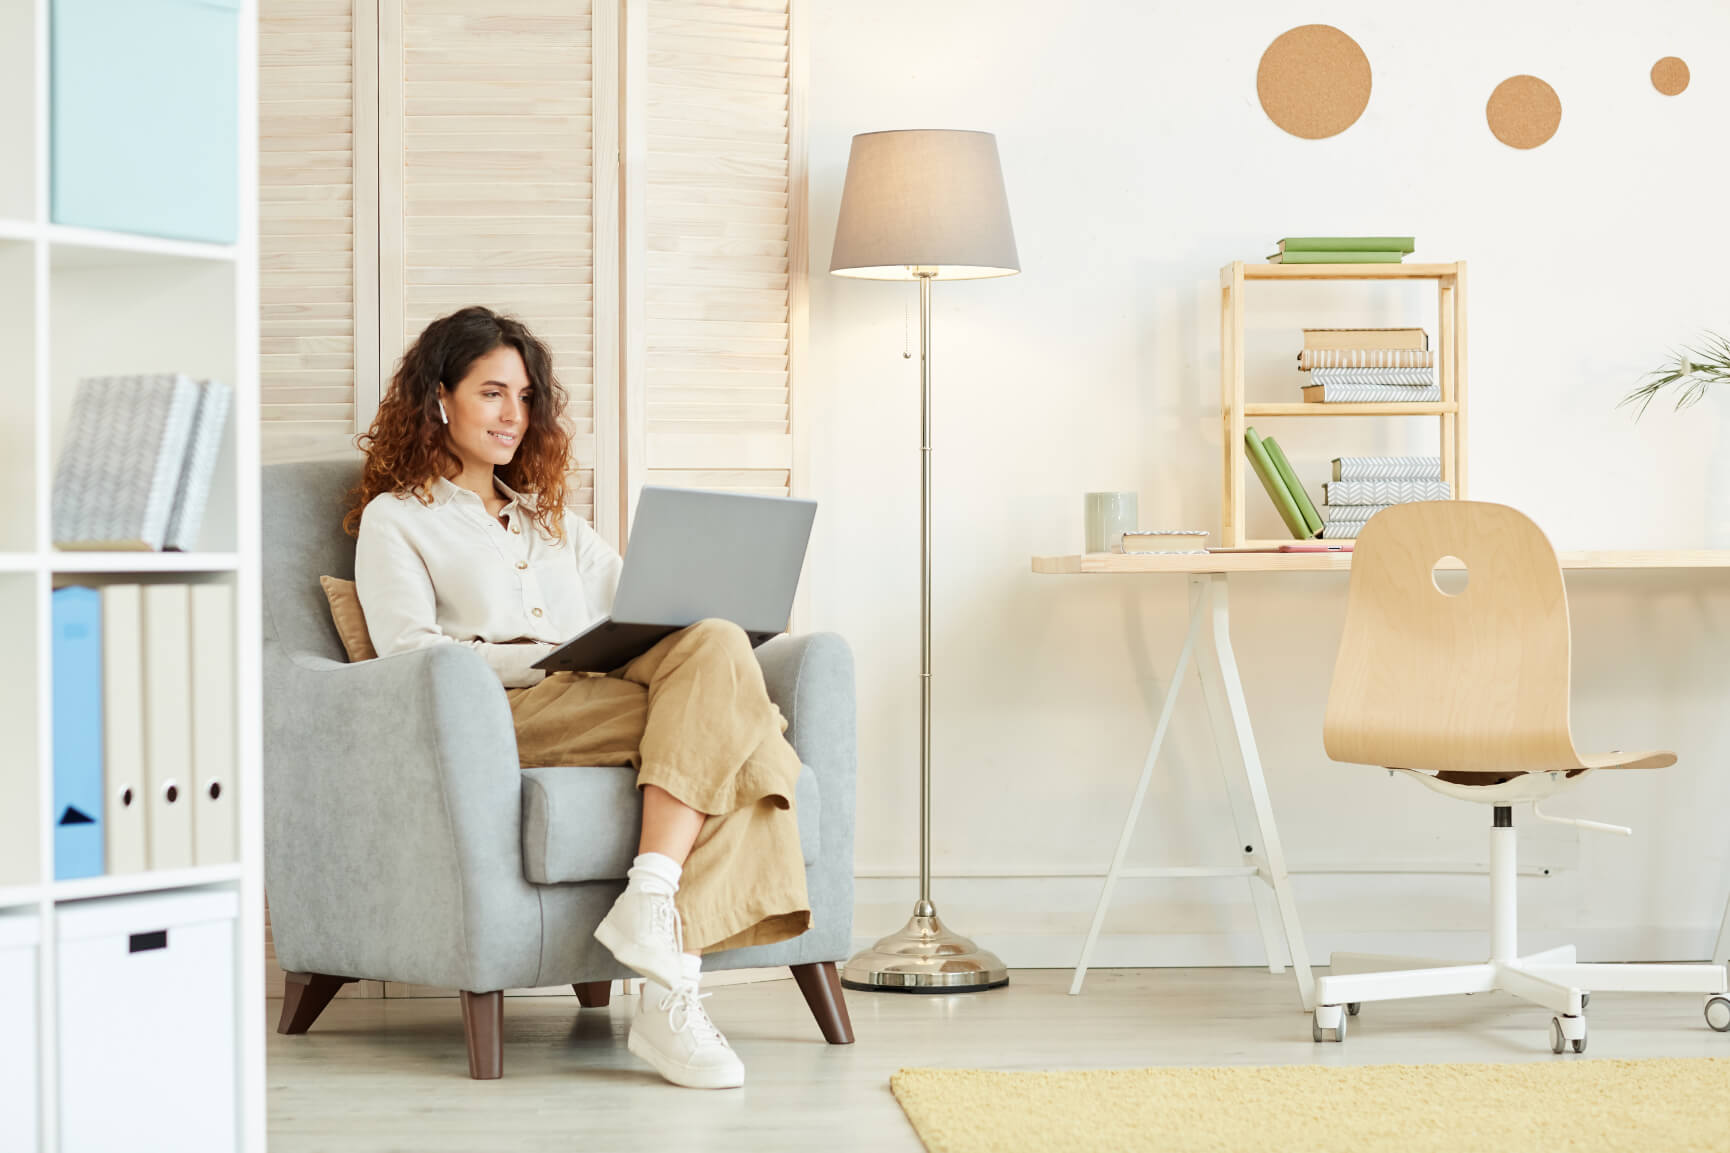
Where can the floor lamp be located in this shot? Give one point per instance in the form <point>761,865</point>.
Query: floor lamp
<point>924,205</point>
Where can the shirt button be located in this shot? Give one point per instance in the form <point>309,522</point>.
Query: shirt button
<point>537,612</point>
<point>522,564</point>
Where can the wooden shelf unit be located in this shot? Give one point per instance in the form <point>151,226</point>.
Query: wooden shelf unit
<point>1448,341</point>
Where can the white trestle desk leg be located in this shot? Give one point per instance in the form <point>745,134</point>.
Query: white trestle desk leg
<point>1172,688</point>
<point>1273,856</point>
<point>1243,813</point>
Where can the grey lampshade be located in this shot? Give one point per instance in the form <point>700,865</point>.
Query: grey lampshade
<point>924,201</point>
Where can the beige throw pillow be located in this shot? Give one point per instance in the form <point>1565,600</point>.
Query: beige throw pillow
<point>350,620</point>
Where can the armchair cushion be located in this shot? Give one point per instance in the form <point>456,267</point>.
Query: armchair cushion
<point>350,621</point>
<point>580,822</point>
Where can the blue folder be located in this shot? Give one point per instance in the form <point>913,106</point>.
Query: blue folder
<point>77,656</point>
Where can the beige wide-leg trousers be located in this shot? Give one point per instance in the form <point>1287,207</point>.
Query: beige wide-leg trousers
<point>692,715</point>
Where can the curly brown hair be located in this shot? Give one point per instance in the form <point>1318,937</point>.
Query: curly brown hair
<point>406,447</point>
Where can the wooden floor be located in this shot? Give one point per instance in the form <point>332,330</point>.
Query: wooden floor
<point>391,1074</point>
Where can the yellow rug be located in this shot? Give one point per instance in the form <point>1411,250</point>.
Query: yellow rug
<point>1668,1106</point>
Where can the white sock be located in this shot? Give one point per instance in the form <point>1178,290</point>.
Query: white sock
<point>690,968</point>
<point>654,871</point>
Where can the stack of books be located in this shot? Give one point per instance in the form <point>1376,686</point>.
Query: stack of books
<point>1283,487</point>
<point>1364,485</point>
<point>1368,366</point>
<point>136,468</point>
<point>1342,250</point>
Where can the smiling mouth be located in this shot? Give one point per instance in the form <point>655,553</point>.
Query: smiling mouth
<point>503,437</point>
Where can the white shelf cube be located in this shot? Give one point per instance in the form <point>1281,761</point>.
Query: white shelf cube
<point>18,1087</point>
<point>147,1023</point>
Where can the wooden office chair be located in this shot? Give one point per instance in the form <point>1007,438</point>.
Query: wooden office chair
<point>1467,694</point>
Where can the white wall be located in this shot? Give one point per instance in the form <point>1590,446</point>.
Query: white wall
<point>1138,161</point>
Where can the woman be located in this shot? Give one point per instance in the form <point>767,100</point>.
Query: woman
<point>464,538</point>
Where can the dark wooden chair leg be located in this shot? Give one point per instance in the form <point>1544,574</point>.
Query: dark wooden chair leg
<point>822,988</point>
<point>484,1026</point>
<point>304,996</point>
<point>593,994</point>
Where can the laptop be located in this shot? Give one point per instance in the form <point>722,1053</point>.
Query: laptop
<point>693,555</point>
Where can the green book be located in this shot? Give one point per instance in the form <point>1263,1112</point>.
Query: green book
<point>1276,490</point>
<point>1359,257</point>
<point>1346,244</point>
<point>1294,486</point>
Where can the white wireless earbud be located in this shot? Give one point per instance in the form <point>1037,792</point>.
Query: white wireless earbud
<point>443,415</point>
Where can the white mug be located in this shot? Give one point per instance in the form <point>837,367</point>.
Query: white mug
<point>1108,516</point>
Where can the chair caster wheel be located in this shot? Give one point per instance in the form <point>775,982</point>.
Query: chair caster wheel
<point>1718,1014</point>
<point>1354,1007</point>
<point>1559,1039</point>
<point>1317,1030</point>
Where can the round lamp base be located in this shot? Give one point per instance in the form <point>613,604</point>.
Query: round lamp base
<point>924,957</point>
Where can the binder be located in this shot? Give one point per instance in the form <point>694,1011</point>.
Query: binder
<point>167,727</point>
<point>193,493</point>
<point>213,704</point>
<point>77,733</point>
<point>123,789</point>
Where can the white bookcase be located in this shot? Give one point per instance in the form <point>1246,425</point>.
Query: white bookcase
<point>77,302</point>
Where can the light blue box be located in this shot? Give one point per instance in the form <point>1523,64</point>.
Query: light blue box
<point>145,116</point>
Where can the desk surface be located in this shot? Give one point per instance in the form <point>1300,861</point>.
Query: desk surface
<point>1109,562</point>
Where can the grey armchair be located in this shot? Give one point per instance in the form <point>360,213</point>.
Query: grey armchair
<point>404,843</point>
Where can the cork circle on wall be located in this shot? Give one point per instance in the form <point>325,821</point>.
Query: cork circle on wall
<point>1524,112</point>
<point>1314,81</point>
<point>1670,75</point>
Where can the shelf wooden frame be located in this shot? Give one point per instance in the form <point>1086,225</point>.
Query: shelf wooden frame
<point>1449,344</point>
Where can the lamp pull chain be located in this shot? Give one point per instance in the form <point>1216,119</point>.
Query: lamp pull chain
<point>907,330</point>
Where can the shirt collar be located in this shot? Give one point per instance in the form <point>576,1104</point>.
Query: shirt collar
<point>511,494</point>
<point>444,490</point>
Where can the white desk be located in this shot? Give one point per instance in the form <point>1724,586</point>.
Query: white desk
<point>1222,691</point>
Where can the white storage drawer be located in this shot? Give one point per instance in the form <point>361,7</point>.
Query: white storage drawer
<point>19,933</point>
<point>147,1023</point>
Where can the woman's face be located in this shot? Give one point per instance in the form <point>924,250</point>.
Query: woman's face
<point>489,408</point>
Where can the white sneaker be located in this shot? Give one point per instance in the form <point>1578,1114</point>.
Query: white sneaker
<point>642,930</point>
<point>672,1032</point>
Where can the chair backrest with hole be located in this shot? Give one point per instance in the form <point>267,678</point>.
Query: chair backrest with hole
<point>1473,682</point>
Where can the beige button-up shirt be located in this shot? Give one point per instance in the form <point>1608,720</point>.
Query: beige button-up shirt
<point>451,573</point>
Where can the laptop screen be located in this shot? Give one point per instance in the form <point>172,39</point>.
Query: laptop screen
<point>695,554</point>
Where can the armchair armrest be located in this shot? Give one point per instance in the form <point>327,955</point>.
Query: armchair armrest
<point>810,678</point>
<point>393,845</point>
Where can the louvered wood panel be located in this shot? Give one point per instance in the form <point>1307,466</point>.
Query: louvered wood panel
<point>718,245</point>
<point>758,482</point>
<point>488,192</point>
<point>306,189</point>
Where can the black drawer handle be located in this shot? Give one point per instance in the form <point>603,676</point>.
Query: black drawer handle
<point>145,942</point>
